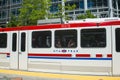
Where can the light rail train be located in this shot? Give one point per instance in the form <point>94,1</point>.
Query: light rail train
<point>89,47</point>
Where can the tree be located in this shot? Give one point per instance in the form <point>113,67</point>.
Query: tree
<point>88,14</point>
<point>13,22</point>
<point>33,10</point>
<point>62,7</point>
<point>70,8</point>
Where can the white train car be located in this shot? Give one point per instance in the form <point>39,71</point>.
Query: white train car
<point>91,48</point>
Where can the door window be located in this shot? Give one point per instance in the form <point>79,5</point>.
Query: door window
<point>117,36</point>
<point>23,41</point>
<point>14,42</point>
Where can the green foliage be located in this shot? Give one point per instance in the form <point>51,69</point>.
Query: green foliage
<point>61,11</point>
<point>70,7</point>
<point>88,14</point>
<point>33,10</point>
<point>13,21</point>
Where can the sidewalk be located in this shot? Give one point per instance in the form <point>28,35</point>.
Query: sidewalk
<point>21,77</point>
<point>27,75</point>
<point>9,78</point>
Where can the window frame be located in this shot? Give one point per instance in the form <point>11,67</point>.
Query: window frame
<point>102,45</point>
<point>117,42</point>
<point>67,38</point>
<point>6,40</point>
<point>47,37</point>
<point>23,42</point>
<point>14,42</point>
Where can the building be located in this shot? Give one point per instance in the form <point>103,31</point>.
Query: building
<point>100,8</point>
<point>8,7</point>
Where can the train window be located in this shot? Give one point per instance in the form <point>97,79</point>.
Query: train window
<point>117,34</point>
<point>93,38</point>
<point>23,41</point>
<point>66,38</point>
<point>14,42</point>
<point>41,39</point>
<point>3,40</point>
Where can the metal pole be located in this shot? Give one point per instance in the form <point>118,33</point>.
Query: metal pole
<point>9,11</point>
<point>46,16</point>
<point>63,11</point>
<point>85,5</point>
<point>110,8</point>
<point>117,7</point>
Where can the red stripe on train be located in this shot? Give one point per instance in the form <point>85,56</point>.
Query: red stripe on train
<point>82,55</point>
<point>109,55</point>
<point>99,55</point>
<point>4,53</point>
<point>50,55</point>
<point>50,26</point>
<point>117,22</point>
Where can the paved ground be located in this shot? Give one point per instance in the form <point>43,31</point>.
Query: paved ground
<point>21,77</point>
<point>26,75</point>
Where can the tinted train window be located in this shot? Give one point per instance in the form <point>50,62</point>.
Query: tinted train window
<point>117,36</point>
<point>14,42</point>
<point>93,37</point>
<point>23,41</point>
<point>41,39</point>
<point>3,40</point>
<point>66,38</point>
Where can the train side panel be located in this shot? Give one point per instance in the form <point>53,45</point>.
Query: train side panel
<point>41,50</point>
<point>91,50</point>
<point>90,58</point>
<point>5,39</point>
<point>116,50</point>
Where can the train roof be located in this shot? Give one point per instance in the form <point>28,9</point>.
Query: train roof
<point>97,20</point>
<point>70,24</point>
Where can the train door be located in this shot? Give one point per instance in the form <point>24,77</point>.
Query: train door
<point>22,50</point>
<point>18,59</point>
<point>116,50</point>
<point>14,50</point>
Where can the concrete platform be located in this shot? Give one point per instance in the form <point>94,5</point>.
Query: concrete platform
<point>25,75</point>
